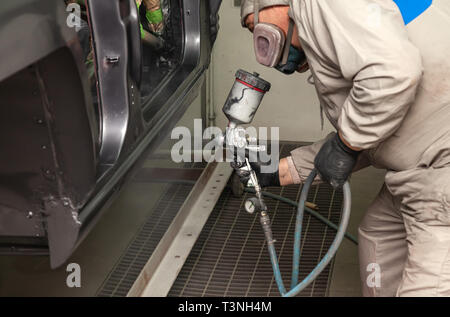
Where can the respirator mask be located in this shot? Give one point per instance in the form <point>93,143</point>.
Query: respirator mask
<point>274,49</point>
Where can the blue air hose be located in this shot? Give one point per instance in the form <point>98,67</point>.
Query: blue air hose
<point>341,233</point>
<point>298,227</point>
<point>265,222</point>
<point>310,211</point>
<point>295,286</point>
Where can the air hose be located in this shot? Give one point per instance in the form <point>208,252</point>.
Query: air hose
<point>296,287</point>
<point>265,222</point>
<point>312,212</point>
<point>285,200</point>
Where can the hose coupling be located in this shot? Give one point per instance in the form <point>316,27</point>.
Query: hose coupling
<point>266,225</point>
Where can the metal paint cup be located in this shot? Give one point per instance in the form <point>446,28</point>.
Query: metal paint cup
<point>245,97</point>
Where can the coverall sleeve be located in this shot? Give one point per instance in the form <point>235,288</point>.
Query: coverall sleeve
<point>303,160</point>
<point>368,42</point>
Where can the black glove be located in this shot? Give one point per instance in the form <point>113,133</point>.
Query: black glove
<point>264,179</point>
<point>335,162</point>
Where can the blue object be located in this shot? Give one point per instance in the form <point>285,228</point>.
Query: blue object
<point>295,58</point>
<point>298,229</point>
<point>411,9</point>
<point>276,269</point>
<point>295,286</point>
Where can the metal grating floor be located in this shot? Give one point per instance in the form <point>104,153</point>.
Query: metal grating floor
<point>230,257</point>
<point>126,271</point>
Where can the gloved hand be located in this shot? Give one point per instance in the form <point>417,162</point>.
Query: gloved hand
<point>335,162</point>
<point>264,179</point>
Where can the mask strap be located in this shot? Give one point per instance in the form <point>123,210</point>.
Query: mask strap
<point>287,45</point>
<point>256,16</point>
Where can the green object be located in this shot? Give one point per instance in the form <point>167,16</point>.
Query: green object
<point>154,16</point>
<point>140,25</point>
<point>142,30</point>
<point>89,63</point>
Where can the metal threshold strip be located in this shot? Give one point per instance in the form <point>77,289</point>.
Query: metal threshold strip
<point>161,270</point>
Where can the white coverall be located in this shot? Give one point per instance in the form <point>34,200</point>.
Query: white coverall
<point>386,87</point>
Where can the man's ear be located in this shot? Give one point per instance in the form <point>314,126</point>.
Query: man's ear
<point>249,22</point>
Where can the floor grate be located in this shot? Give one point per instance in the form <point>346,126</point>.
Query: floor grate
<point>230,257</point>
<point>135,257</point>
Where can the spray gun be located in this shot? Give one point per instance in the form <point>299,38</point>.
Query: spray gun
<point>240,108</point>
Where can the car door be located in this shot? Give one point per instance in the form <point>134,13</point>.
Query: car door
<point>89,99</point>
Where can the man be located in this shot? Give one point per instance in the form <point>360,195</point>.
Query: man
<point>382,73</point>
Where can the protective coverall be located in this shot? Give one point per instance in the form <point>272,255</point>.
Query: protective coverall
<point>386,87</point>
